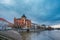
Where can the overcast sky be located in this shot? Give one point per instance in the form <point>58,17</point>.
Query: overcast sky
<point>38,11</point>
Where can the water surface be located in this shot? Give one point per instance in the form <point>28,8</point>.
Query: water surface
<point>44,35</point>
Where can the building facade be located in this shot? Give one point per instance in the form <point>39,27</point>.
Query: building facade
<point>22,22</point>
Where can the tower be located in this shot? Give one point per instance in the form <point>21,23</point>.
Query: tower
<point>14,20</point>
<point>23,16</point>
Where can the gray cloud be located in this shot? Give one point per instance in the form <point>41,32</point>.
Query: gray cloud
<point>39,11</point>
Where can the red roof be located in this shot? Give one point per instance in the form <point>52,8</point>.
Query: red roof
<point>2,19</point>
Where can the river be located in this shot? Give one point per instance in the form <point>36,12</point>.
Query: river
<point>43,35</point>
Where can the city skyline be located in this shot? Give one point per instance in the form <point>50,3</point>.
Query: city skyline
<point>39,11</point>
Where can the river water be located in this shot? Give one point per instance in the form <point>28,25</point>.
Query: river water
<point>43,35</point>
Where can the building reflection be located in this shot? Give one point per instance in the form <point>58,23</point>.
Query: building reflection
<point>25,36</point>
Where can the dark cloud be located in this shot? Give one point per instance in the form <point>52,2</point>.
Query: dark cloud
<point>39,11</point>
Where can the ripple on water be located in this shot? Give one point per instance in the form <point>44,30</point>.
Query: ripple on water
<point>44,35</point>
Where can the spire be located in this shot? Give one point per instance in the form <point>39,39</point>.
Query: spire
<point>23,16</point>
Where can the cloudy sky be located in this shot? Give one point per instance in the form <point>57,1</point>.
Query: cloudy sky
<point>39,11</point>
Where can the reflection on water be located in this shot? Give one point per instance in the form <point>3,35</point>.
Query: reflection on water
<point>44,35</point>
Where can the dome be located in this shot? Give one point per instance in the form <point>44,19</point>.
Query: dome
<point>24,16</point>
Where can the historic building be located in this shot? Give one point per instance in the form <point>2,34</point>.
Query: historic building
<point>22,22</point>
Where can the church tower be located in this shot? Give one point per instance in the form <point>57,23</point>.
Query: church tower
<point>23,16</point>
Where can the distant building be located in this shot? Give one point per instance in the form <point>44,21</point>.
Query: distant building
<point>22,22</point>
<point>34,26</point>
<point>4,24</point>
